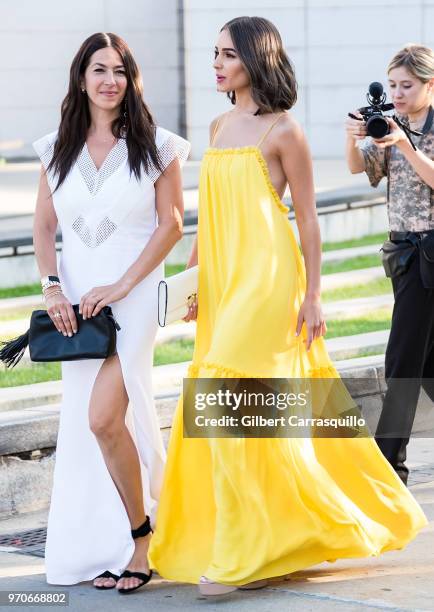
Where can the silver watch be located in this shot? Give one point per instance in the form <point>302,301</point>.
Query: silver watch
<point>49,281</point>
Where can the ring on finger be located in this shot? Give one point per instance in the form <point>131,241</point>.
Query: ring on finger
<point>57,315</point>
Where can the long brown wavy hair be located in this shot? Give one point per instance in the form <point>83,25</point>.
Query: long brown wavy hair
<point>272,77</point>
<point>75,115</point>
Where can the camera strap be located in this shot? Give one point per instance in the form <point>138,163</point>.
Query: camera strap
<point>407,131</point>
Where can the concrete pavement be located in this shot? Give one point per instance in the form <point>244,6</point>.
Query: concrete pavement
<point>398,580</point>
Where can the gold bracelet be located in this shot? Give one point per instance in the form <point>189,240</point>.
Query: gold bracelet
<point>47,295</point>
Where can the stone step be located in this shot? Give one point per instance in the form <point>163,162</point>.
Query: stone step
<point>167,378</point>
<point>26,301</point>
<point>28,436</point>
<point>347,347</point>
<point>357,307</point>
<point>352,277</point>
<point>171,333</point>
<point>35,427</point>
<point>26,396</point>
<point>342,254</point>
<point>370,361</point>
<point>35,301</point>
<point>178,331</point>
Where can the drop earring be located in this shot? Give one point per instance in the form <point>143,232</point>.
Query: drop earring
<point>124,125</point>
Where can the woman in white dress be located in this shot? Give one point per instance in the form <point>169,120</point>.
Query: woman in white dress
<point>107,175</point>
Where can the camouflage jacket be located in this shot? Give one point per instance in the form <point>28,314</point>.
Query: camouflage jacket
<point>410,204</point>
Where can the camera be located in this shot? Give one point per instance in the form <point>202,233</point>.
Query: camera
<point>376,123</point>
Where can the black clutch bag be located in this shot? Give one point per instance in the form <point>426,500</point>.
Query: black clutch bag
<point>95,339</point>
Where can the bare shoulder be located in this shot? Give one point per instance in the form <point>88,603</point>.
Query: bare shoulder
<point>288,130</point>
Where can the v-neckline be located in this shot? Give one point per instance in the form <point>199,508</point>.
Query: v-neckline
<point>95,177</point>
<point>105,158</point>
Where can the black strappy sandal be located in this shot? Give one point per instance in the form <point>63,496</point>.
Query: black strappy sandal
<point>141,531</point>
<point>106,574</point>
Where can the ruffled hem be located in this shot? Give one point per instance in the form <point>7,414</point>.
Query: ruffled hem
<point>323,372</point>
<point>179,574</point>
<point>245,149</point>
<point>258,153</point>
<point>219,371</point>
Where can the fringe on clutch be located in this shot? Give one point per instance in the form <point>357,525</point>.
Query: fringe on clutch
<point>13,350</point>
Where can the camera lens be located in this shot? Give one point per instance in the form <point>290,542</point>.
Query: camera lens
<point>377,126</point>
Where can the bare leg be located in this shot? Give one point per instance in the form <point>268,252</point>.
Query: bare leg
<point>107,410</point>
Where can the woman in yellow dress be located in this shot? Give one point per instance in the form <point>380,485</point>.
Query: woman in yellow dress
<point>237,511</point>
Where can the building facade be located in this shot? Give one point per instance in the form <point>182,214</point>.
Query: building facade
<point>337,46</point>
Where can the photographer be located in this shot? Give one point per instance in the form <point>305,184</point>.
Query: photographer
<point>408,255</point>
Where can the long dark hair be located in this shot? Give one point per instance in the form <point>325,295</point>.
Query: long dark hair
<point>75,115</point>
<point>272,76</point>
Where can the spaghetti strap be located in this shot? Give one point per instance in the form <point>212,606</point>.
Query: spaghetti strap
<point>268,130</point>
<point>216,128</point>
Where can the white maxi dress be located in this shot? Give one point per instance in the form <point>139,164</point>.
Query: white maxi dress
<point>106,217</point>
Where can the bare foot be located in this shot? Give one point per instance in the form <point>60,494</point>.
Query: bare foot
<point>138,563</point>
<point>104,582</point>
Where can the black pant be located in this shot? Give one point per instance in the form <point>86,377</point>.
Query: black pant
<point>409,364</point>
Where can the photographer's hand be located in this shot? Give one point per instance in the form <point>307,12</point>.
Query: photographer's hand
<point>395,136</point>
<point>355,129</point>
<point>420,161</point>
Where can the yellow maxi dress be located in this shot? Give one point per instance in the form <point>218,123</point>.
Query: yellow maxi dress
<point>243,509</point>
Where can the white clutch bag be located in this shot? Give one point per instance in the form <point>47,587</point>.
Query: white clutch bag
<point>174,294</point>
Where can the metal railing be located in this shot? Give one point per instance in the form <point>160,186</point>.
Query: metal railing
<point>16,242</point>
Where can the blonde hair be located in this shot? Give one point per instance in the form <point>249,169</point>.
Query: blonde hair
<point>418,59</point>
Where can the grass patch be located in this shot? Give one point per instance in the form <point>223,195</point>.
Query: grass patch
<point>171,269</point>
<point>171,352</point>
<point>378,286</point>
<point>374,321</point>
<point>354,263</point>
<point>30,374</point>
<point>35,288</point>
<point>182,350</point>
<point>22,290</point>
<point>348,244</point>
